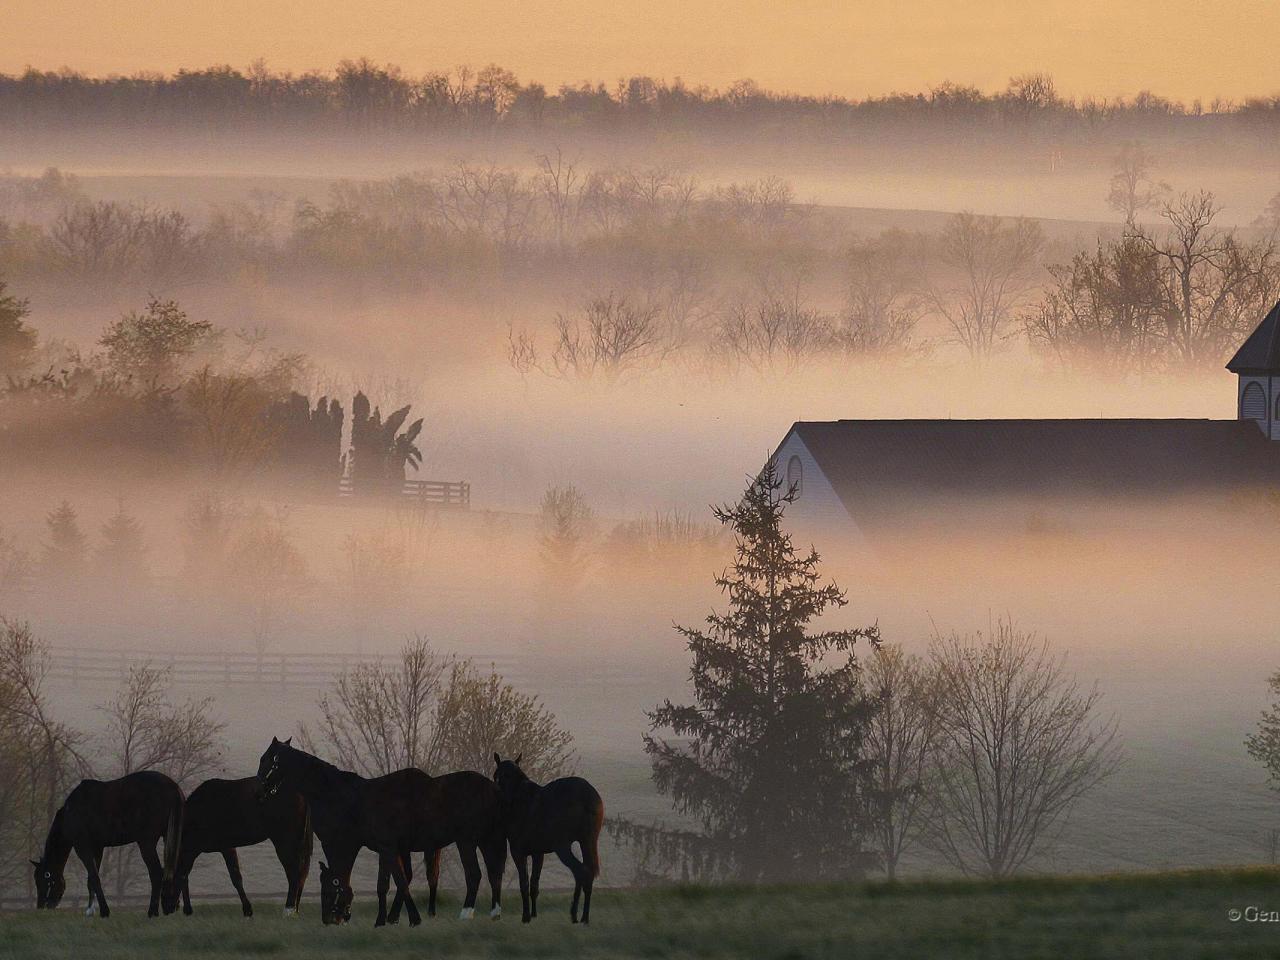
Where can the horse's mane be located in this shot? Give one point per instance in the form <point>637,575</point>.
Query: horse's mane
<point>56,846</point>
<point>328,771</point>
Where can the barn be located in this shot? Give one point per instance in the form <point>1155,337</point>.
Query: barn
<point>855,480</point>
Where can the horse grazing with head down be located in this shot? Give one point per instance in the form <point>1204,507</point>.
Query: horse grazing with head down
<point>542,819</point>
<point>222,815</point>
<point>393,815</point>
<point>138,808</point>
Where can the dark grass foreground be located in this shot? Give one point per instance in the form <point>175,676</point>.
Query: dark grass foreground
<point>1169,915</point>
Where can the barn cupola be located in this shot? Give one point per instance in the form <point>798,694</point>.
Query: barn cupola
<point>1257,368</point>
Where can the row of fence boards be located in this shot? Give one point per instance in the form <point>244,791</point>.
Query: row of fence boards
<point>228,668</point>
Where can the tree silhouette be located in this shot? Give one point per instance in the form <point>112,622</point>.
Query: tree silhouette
<point>769,759</point>
<point>121,557</point>
<point>380,453</point>
<point>17,340</point>
<point>65,551</point>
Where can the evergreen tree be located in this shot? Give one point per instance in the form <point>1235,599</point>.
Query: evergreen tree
<point>770,758</point>
<point>121,558</point>
<point>17,340</point>
<point>65,550</point>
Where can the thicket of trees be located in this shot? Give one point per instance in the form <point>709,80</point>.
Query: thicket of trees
<point>364,96</point>
<point>166,390</point>
<point>438,713</point>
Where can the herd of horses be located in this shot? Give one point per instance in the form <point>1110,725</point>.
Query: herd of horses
<point>296,795</point>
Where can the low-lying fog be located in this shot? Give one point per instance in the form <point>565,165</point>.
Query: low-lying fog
<point>1166,604</point>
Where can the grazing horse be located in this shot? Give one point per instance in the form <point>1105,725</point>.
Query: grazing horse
<point>548,819</point>
<point>224,814</point>
<point>393,815</point>
<point>139,808</point>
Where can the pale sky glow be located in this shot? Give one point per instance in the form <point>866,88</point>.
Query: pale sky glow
<point>1179,48</point>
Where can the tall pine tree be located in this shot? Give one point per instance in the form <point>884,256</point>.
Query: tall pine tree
<point>122,556</point>
<point>769,760</point>
<point>65,552</point>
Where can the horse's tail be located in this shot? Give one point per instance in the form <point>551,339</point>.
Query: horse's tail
<point>593,852</point>
<point>173,836</point>
<point>306,844</point>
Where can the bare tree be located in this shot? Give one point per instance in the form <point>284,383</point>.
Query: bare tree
<point>145,730</point>
<point>381,717</point>
<point>882,301</point>
<point>900,741</point>
<point>1018,744</point>
<point>1213,287</point>
<point>561,186</point>
<point>1133,188</point>
<point>482,713</point>
<point>612,337</point>
<point>436,713</point>
<point>774,334</point>
<point>1103,311</point>
<point>995,261</point>
<point>39,755</point>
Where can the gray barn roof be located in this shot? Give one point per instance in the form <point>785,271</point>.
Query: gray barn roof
<point>873,464</point>
<point>1260,353</point>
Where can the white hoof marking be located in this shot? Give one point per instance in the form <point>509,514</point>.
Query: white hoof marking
<point>468,913</point>
<point>496,912</point>
<point>91,909</point>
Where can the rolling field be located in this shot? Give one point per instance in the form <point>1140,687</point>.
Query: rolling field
<point>1169,915</point>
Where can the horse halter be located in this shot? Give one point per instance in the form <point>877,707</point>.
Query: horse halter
<point>272,788</point>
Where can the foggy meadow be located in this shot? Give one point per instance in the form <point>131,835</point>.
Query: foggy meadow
<point>606,305</point>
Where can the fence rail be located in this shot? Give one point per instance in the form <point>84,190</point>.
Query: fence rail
<point>230,668</point>
<point>439,493</point>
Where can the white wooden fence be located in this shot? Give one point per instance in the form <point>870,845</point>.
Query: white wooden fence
<point>231,668</point>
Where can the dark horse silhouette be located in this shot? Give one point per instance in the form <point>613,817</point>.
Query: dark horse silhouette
<point>224,814</point>
<point>139,808</point>
<point>548,819</point>
<point>393,815</point>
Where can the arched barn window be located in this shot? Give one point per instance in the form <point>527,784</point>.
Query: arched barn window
<point>795,475</point>
<point>1253,404</point>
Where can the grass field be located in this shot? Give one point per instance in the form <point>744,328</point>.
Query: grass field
<point>1168,915</point>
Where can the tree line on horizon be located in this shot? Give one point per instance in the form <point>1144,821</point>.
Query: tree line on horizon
<point>364,94</point>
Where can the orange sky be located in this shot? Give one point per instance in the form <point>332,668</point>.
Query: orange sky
<point>1181,48</point>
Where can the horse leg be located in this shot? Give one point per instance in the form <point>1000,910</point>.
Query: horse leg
<point>495,864</point>
<point>384,880</point>
<point>233,871</point>
<point>590,865</point>
<point>534,876</point>
<point>397,902</point>
<point>186,896</point>
<point>432,862</point>
<point>290,862</point>
<point>92,860</point>
<point>471,869</point>
<point>156,872</point>
<point>402,886</point>
<point>581,876</point>
<point>522,872</point>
